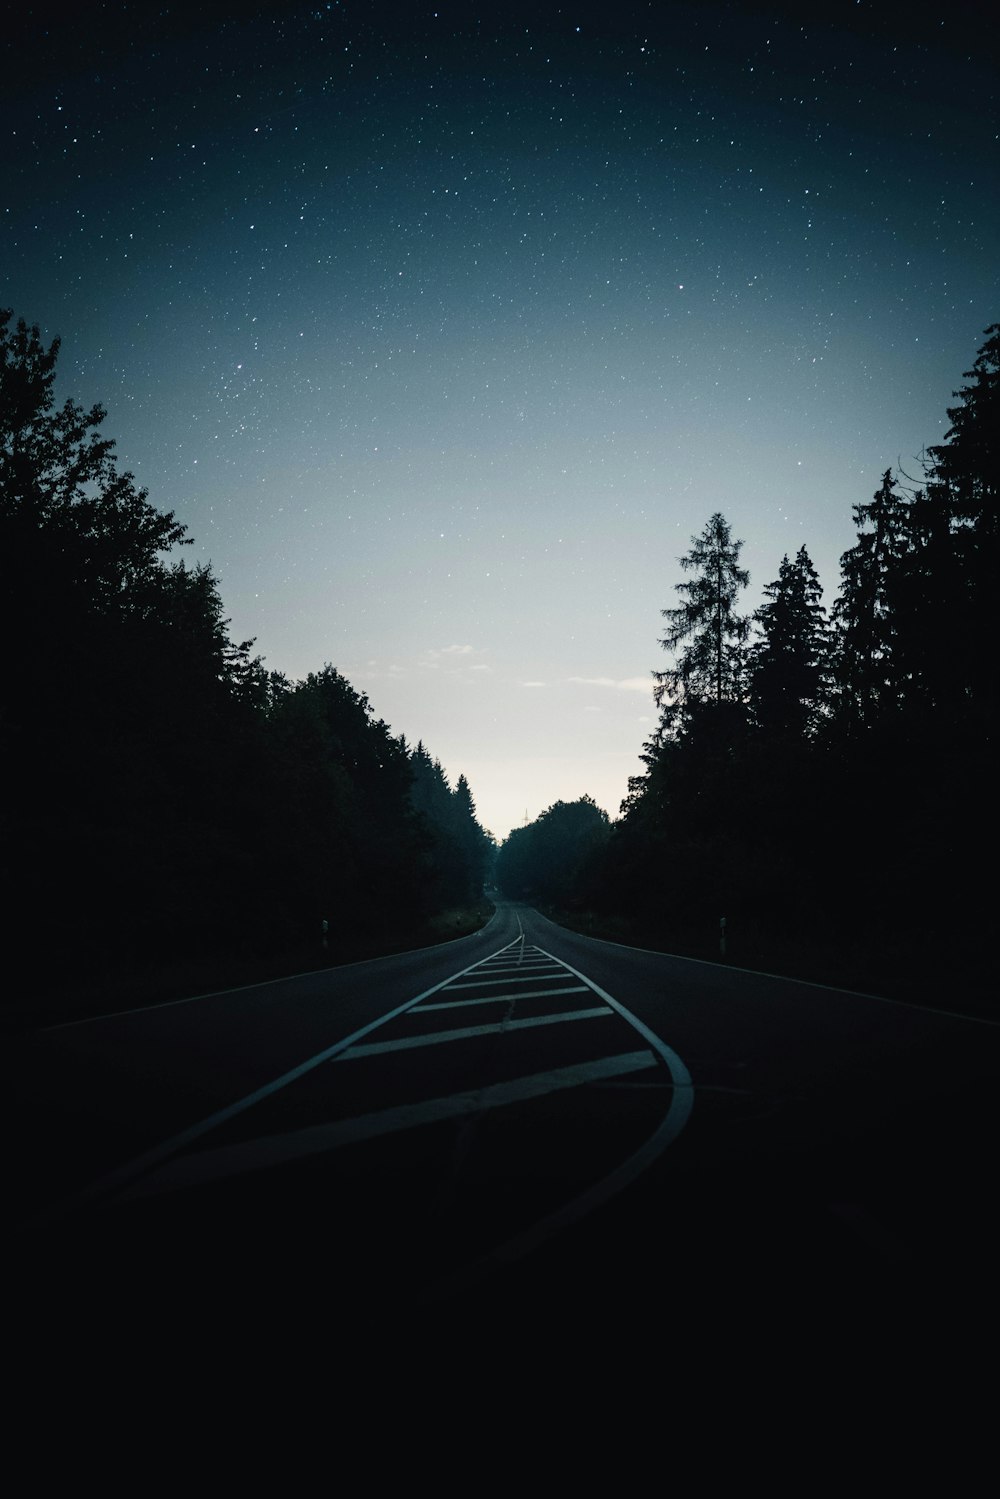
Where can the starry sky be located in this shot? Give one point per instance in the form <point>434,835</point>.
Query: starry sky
<point>445,327</point>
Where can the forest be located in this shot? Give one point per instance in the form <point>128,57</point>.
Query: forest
<point>176,815</point>
<point>818,796</point>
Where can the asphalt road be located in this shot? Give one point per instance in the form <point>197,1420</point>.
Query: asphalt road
<point>524,1127</point>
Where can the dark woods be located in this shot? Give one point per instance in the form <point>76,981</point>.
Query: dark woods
<point>824,782</point>
<point>166,797</point>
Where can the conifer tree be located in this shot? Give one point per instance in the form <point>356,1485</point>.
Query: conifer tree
<point>967,463</point>
<point>865,613</point>
<point>963,495</point>
<point>710,665</point>
<point>790,662</point>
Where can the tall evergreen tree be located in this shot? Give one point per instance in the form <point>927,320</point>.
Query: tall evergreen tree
<point>471,839</point>
<point>789,665</point>
<point>865,613</point>
<point>967,463</point>
<point>705,628</point>
<point>964,488</point>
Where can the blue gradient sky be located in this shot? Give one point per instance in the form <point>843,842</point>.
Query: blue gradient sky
<point>444,334</point>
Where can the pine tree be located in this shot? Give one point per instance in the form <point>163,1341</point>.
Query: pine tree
<point>789,665</point>
<point>967,463</point>
<point>470,837</point>
<point>710,665</point>
<point>963,494</point>
<point>865,614</point>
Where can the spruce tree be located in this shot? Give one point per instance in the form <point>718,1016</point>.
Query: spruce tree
<point>789,665</point>
<point>868,676</point>
<point>967,463</point>
<point>709,668</point>
<point>963,493</point>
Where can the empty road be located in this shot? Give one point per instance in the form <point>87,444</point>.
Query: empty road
<point>524,1123</point>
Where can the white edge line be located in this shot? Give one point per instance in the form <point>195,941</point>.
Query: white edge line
<point>677,1115</point>
<point>288,978</point>
<point>127,1172</point>
<point>679,1074</point>
<point>761,973</point>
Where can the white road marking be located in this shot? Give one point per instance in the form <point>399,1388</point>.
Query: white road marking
<point>496,999</point>
<point>678,1072</point>
<point>532,970</point>
<point>677,1115</point>
<point>286,978</point>
<point>518,967</point>
<point>435,1038</point>
<point>782,978</point>
<point>277,1150</point>
<point>164,1168</point>
<point>531,978</point>
<point>129,1170</point>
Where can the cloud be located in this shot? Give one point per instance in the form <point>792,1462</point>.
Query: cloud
<point>534,684</point>
<point>452,657</point>
<point>449,660</point>
<point>620,684</point>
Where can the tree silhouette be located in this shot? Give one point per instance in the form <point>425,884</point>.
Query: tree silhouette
<point>865,613</point>
<point>967,463</point>
<point>710,665</point>
<point>790,663</point>
<point>169,799</point>
<point>964,489</point>
<point>75,520</point>
<point>457,850</point>
<point>551,859</point>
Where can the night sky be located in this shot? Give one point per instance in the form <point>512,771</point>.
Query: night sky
<point>444,328</point>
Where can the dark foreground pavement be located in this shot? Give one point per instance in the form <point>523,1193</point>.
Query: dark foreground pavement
<point>824,1183</point>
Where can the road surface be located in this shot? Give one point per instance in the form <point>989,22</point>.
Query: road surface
<point>524,1124</point>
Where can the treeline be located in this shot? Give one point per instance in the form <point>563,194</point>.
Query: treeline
<point>166,796</point>
<point>822,779</point>
<point>554,858</point>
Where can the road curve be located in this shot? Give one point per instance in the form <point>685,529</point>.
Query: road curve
<point>526,1109</point>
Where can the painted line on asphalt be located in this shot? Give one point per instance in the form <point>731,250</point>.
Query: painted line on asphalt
<point>676,1117</point>
<point>278,1150</point>
<point>785,978</point>
<point>493,999</point>
<point>129,1171</point>
<point>286,978</point>
<point>531,978</point>
<point>467,1033</point>
<point>506,968</point>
